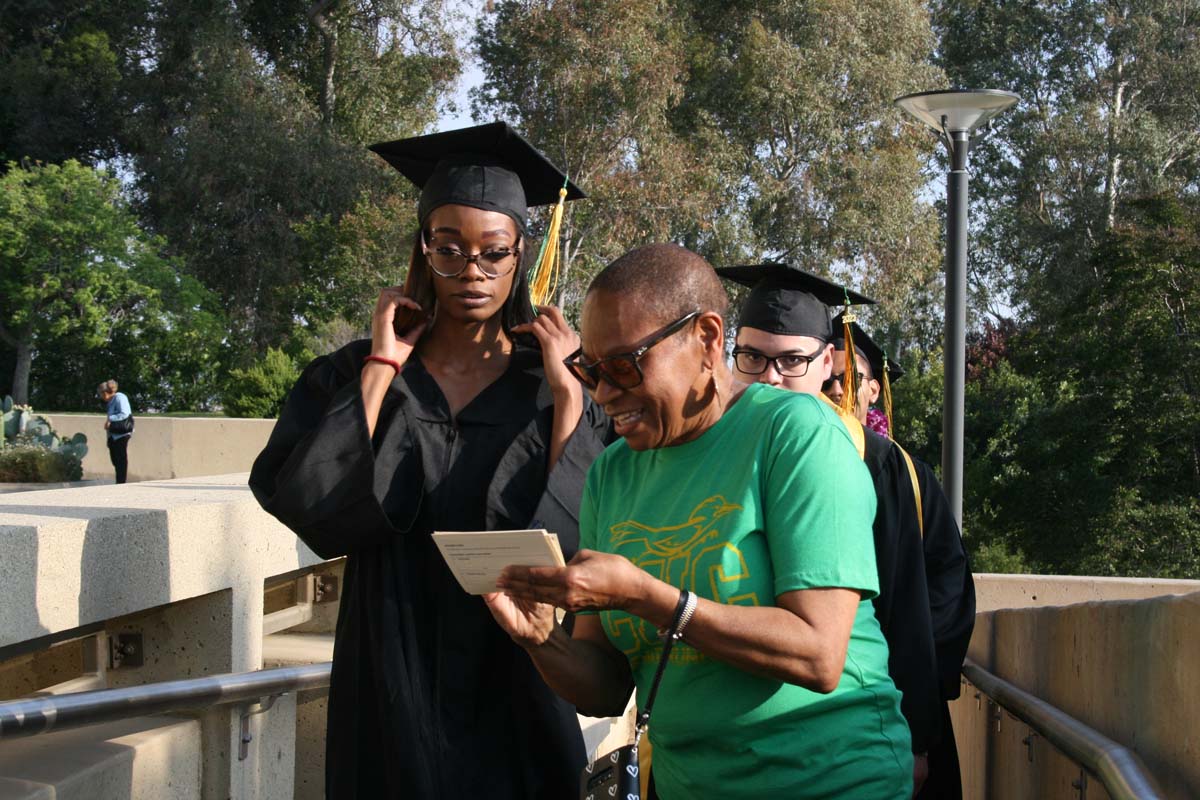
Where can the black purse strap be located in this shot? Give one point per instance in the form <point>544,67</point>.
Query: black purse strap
<point>683,614</point>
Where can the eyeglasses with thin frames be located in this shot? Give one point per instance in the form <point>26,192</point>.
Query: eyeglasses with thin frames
<point>622,370</point>
<point>449,262</point>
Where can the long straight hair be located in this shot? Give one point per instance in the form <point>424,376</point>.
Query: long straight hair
<point>418,285</point>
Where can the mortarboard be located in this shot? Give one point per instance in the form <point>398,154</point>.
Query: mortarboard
<point>487,166</point>
<point>491,167</point>
<point>787,300</point>
<point>883,369</point>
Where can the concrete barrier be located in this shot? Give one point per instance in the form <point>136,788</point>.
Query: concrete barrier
<point>993,591</point>
<point>171,447</point>
<point>1126,668</point>
<point>180,563</point>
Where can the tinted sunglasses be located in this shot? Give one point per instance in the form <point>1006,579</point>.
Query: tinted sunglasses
<point>622,370</point>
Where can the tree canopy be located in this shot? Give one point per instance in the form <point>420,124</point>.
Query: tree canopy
<point>189,206</point>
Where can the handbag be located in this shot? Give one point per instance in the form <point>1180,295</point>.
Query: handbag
<point>121,426</point>
<point>615,774</point>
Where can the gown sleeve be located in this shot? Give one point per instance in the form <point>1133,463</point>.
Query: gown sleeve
<point>951,586</point>
<point>523,495</point>
<point>319,473</point>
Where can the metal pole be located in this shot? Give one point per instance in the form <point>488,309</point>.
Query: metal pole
<point>956,322</point>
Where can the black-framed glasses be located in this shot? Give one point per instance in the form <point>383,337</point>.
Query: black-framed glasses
<point>789,365</point>
<point>449,262</point>
<point>622,370</point>
<point>840,377</point>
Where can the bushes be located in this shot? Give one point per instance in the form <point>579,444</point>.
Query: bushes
<point>33,464</point>
<point>260,390</point>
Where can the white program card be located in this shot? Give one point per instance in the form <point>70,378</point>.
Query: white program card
<point>477,557</point>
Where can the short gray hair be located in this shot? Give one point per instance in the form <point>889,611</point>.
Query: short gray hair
<point>107,386</point>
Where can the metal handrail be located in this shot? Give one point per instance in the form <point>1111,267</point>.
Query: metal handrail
<point>38,715</point>
<point>1120,770</point>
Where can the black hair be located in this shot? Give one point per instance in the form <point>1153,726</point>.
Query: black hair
<point>667,280</point>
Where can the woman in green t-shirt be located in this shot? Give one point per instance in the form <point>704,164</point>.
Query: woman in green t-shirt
<point>755,500</point>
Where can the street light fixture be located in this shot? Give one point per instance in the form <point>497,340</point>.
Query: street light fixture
<point>955,115</point>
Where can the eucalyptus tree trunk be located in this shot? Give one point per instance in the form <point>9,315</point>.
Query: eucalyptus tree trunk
<point>1113,173</point>
<point>320,16</point>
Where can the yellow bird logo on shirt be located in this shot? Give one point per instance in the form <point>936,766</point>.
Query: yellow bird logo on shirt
<point>680,554</point>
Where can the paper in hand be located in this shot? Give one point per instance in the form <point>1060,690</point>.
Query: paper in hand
<point>477,557</point>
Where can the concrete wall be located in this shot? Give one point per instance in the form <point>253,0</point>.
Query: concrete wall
<point>171,447</point>
<point>1035,591</point>
<point>183,563</point>
<point>1127,668</point>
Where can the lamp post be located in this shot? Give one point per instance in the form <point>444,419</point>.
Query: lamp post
<point>955,115</point>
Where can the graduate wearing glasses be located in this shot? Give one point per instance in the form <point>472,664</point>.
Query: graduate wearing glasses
<point>457,414</point>
<point>926,601</point>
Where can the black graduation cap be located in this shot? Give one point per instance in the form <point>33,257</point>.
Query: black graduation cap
<point>868,349</point>
<point>487,166</point>
<point>787,300</point>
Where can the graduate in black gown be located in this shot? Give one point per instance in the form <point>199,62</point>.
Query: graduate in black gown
<point>456,415</point>
<point>950,586</point>
<point>926,601</point>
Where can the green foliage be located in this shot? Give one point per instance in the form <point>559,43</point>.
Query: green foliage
<point>917,406</point>
<point>741,130</point>
<point>1084,440</point>
<point>995,557</point>
<point>1108,114</point>
<point>248,138</point>
<point>31,452</point>
<point>32,464</point>
<point>366,249</point>
<point>824,171</point>
<point>59,99</point>
<point>260,390</point>
<point>88,291</point>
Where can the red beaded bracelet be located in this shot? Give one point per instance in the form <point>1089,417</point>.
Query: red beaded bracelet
<point>380,359</point>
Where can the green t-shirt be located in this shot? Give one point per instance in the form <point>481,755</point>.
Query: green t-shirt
<point>771,499</point>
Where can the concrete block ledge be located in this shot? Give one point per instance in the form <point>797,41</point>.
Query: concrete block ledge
<point>73,557</point>
<point>994,591</point>
<point>145,758</point>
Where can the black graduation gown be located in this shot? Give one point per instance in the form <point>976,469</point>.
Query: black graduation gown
<point>952,607</point>
<point>429,697</point>
<point>925,607</point>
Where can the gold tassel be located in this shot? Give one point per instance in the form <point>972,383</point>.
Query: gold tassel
<point>850,377</point>
<point>887,398</point>
<point>543,278</point>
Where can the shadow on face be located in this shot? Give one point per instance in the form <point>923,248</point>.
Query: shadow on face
<point>868,387</point>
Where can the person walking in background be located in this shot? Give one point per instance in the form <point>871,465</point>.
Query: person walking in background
<point>119,426</point>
